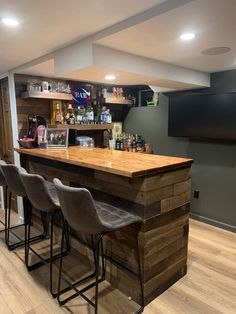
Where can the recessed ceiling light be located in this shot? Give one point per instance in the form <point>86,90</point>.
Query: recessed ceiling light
<point>187,36</point>
<point>110,77</point>
<point>10,22</point>
<point>214,51</point>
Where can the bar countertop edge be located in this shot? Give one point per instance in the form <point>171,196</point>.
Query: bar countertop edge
<point>121,163</point>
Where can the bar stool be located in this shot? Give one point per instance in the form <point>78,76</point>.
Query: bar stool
<point>43,196</point>
<point>15,185</point>
<point>96,219</point>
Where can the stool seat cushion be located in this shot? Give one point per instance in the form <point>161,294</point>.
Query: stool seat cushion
<point>113,217</point>
<point>41,193</point>
<point>13,179</point>
<point>53,193</point>
<point>84,214</point>
<point>2,178</point>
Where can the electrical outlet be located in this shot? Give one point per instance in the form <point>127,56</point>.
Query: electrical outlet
<point>196,194</point>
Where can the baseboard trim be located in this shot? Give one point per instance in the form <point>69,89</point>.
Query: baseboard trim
<point>213,222</point>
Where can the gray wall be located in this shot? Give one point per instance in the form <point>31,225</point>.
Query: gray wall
<point>213,171</point>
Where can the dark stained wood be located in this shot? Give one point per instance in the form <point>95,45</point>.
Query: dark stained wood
<point>6,144</point>
<point>25,107</point>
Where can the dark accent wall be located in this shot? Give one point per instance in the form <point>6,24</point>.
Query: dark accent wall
<point>214,168</point>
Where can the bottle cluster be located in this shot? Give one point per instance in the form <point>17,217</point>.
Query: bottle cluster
<point>130,142</point>
<point>90,114</point>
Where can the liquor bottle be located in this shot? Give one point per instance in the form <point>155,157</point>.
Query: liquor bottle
<point>84,116</point>
<point>103,115</point>
<point>134,144</point>
<point>118,142</point>
<point>58,115</point>
<point>125,142</point>
<point>99,103</point>
<point>90,114</point>
<point>78,116</point>
<point>70,117</point>
<point>139,143</point>
<point>108,116</point>
<point>129,143</point>
<point>121,142</point>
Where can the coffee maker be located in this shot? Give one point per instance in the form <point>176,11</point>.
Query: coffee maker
<point>30,139</point>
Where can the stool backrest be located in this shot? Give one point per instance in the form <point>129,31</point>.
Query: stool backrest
<point>13,179</point>
<point>2,178</point>
<point>39,193</point>
<point>78,208</point>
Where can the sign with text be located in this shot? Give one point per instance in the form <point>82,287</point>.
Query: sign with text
<point>81,94</point>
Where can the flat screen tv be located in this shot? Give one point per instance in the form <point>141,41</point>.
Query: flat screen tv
<point>209,116</point>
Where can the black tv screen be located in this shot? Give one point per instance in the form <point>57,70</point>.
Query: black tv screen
<point>211,116</point>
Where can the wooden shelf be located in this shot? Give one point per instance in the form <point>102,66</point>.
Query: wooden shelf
<point>56,96</point>
<point>86,127</point>
<point>118,101</point>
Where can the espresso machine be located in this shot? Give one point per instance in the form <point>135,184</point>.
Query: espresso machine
<point>30,140</point>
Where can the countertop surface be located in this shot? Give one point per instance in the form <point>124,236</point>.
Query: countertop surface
<point>117,162</point>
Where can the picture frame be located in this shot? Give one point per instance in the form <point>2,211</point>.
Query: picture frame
<point>57,137</point>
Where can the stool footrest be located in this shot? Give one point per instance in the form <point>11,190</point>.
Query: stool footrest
<point>44,261</point>
<point>11,247</point>
<point>77,291</point>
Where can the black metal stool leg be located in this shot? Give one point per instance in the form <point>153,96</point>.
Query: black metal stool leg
<point>54,294</point>
<point>27,207</point>
<point>103,260</point>
<point>45,225</point>
<point>8,225</point>
<point>67,236</point>
<point>27,237</point>
<point>98,245</point>
<point>5,197</point>
<point>74,284</point>
<point>60,265</point>
<point>46,261</point>
<point>6,212</point>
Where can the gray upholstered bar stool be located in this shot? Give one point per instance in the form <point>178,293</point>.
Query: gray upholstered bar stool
<point>43,196</point>
<point>15,185</point>
<point>84,214</point>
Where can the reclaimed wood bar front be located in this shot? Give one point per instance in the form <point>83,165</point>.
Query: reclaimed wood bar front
<point>158,188</point>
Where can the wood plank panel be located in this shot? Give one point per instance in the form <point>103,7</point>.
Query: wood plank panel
<point>167,178</point>
<point>182,187</point>
<point>175,201</point>
<point>148,183</point>
<point>178,221</point>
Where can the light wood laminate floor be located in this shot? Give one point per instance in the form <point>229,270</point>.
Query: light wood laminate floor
<point>208,288</point>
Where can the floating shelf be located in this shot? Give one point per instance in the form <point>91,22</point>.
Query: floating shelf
<point>118,101</point>
<point>56,96</point>
<point>86,127</point>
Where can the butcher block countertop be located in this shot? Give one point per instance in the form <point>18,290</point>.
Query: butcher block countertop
<point>112,161</point>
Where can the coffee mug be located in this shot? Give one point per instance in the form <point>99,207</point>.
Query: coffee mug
<point>45,87</point>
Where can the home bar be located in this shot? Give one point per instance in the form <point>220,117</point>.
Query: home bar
<point>117,157</point>
<point>157,188</point>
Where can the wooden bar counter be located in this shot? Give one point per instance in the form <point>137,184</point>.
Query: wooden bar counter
<point>158,188</point>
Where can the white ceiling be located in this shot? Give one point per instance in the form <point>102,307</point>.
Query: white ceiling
<point>47,25</point>
<point>150,28</point>
<point>213,22</point>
